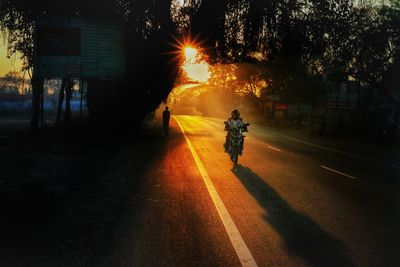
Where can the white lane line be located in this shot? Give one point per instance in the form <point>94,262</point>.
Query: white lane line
<point>340,152</point>
<point>338,172</point>
<point>274,148</point>
<point>242,251</point>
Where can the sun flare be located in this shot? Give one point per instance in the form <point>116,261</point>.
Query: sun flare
<point>190,55</point>
<point>192,60</point>
<point>196,68</point>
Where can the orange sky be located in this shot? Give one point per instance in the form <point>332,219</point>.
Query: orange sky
<point>8,64</point>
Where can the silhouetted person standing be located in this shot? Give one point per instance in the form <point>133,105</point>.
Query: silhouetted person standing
<point>166,116</point>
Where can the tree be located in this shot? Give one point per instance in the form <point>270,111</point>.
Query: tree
<point>223,77</point>
<point>249,78</point>
<point>302,45</point>
<point>148,30</point>
<point>377,44</point>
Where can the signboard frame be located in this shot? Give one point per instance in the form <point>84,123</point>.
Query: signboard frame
<point>75,47</point>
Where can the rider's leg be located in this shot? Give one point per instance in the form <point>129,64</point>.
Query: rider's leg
<point>226,143</point>
<point>241,146</point>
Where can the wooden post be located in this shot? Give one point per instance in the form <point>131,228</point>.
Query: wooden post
<point>37,92</point>
<point>68,94</point>
<point>81,104</point>
<point>35,105</point>
<point>42,104</point>
<point>60,102</point>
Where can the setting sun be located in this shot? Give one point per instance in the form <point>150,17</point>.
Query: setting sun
<point>190,55</point>
<point>196,68</point>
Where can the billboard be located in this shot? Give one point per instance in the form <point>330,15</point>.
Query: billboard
<point>77,47</point>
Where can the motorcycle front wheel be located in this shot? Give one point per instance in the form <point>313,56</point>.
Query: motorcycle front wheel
<point>235,154</point>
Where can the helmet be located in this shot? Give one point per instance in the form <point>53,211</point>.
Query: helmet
<point>235,114</point>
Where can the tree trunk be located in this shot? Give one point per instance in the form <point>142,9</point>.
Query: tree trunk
<point>68,94</point>
<point>60,102</point>
<point>37,86</point>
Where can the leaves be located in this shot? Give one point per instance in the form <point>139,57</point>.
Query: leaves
<point>303,44</point>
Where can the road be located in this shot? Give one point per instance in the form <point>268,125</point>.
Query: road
<point>289,202</point>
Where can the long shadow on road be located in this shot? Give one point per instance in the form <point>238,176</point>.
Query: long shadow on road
<point>303,237</point>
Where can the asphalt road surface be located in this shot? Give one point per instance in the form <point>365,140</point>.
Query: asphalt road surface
<point>289,202</point>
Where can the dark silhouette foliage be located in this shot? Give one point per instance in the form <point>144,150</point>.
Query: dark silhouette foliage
<point>302,45</point>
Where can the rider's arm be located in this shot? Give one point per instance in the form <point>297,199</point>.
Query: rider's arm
<point>226,125</point>
<point>244,126</point>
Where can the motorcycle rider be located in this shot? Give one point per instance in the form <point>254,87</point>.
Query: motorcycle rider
<point>234,122</point>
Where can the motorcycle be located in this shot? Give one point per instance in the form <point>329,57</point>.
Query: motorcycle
<point>235,144</point>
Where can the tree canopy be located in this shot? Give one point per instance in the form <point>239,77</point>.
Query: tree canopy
<point>301,44</point>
